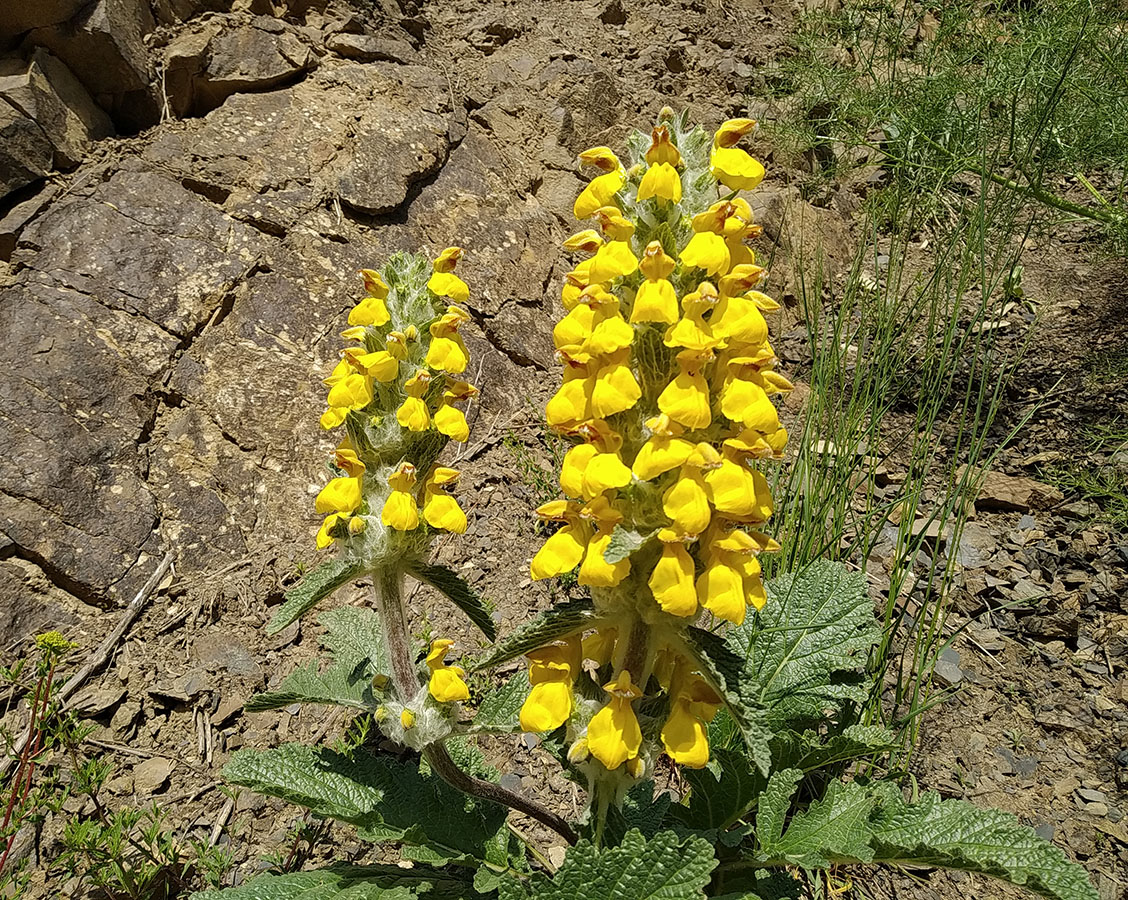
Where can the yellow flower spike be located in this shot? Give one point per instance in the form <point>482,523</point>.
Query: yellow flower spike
<point>340,495</point>
<point>671,582</point>
<point>447,351</point>
<point>440,509</point>
<point>413,414</point>
<point>686,398</point>
<point>587,241</point>
<point>599,193</point>
<point>614,736</point>
<point>446,683</point>
<point>692,331</point>
<point>563,551</point>
<point>662,150</point>
<point>614,224</point>
<point>707,250</point>
<point>400,510</point>
<point>407,719</point>
<point>655,299</point>
<point>370,311</point>
<point>552,669</point>
<point>613,260</point>
<point>374,284</point>
<point>664,449</point>
<point>661,181</point>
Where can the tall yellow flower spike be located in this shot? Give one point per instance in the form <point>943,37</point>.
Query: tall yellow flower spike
<point>667,399</point>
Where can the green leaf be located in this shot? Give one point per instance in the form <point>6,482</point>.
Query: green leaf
<point>957,835</point>
<point>559,621</point>
<point>761,885</point>
<point>623,543</point>
<point>727,672</point>
<point>500,710</point>
<point>641,810</point>
<point>383,798</point>
<point>665,867</point>
<point>314,587</point>
<point>809,751</point>
<point>720,793</point>
<point>455,588</point>
<point>342,882</point>
<point>807,646</point>
<point>833,829</point>
<point>774,802</point>
<point>355,638</point>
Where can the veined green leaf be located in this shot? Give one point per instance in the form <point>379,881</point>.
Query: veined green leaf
<point>343,882</point>
<point>384,799</point>
<point>665,867</point>
<point>500,710</point>
<point>642,810</point>
<point>956,835</point>
<point>455,588</point>
<point>809,750</point>
<point>808,645</point>
<point>314,587</point>
<point>551,625</point>
<point>728,674</point>
<point>721,792</point>
<point>833,829</point>
<point>774,802</point>
<point>623,543</point>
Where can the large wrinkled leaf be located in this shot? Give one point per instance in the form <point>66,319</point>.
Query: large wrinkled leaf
<point>956,835</point>
<point>809,751</point>
<point>666,867</point>
<point>806,649</point>
<point>455,588</point>
<point>354,636</point>
<point>500,710</point>
<point>727,672</point>
<point>721,792</point>
<point>551,625</point>
<point>343,882</point>
<point>313,588</point>
<point>642,810</point>
<point>384,799</point>
<point>774,802</point>
<point>833,829</point>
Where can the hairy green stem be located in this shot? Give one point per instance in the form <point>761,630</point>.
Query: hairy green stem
<point>390,606</point>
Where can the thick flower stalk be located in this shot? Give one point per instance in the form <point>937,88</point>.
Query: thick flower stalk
<point>667,395</point>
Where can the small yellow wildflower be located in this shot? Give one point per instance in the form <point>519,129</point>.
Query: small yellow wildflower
<point>446,683</point>
<point>614,736</point>
<point>400,510</point>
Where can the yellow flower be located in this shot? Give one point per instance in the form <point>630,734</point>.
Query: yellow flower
<point>407,719</point>
<point>340,495</point>
<point>370,311</point>
<point>444,282</point>
<point>602,189</point>
<point>614,736</point>
<point>663,450</point>
<point>655,300</point>
<point>720,588</point>
<point>591,468</point>
<point>440,509</point>
<point>594,327</point>
<point>381,364</point>
<point>693,706</point>
<point>614,224</point>
<point>374,284</point>
<point>552,669</point>
<point>671,582</point>
<point>446,682</point>
<point>707,250</point>
<point>563,551</point>
<point>612,260</point>
<point>595,571</point>
<point>325,534</point>
<point>746,402</point>
<point>686,501</point>
<point>346,459</point>
<point>593,389</point>
<point>730,165</point>
<point>448,351</point>
<point>692,331</point>
<point>686,398</point>
<point>587,241</point>
<point>735,490</point>
<point>400,510</point>
<point>662,150</point>
<point>413,414</point>
<point>450,420</point>
<point>661,180</point>
<point>574,283</point>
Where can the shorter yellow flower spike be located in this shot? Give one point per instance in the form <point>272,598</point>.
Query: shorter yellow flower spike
<point>400,510</point>
<point>552,670</point>
<point>664,449</point>
<point>448,351</point>
<point>370,311</point>
<point>707,250</point>
<point>662,150</point>
<point>440,509</point>
<point>340,495</point>
<point>614,736</point>
<point>374,284</point>
<point>671,582</point>
<point>613,223</point>
<point>686,398</point>
<point>587,241</point>
<point>661,181</point>
<point>599,193</point>
<point>446,683</point>
<point>413,414</point>
<point>612,260</point>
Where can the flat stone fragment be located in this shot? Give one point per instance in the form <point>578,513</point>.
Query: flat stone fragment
<point>152,774</point>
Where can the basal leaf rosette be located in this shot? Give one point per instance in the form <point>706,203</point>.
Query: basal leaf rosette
<point>667,394</point>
